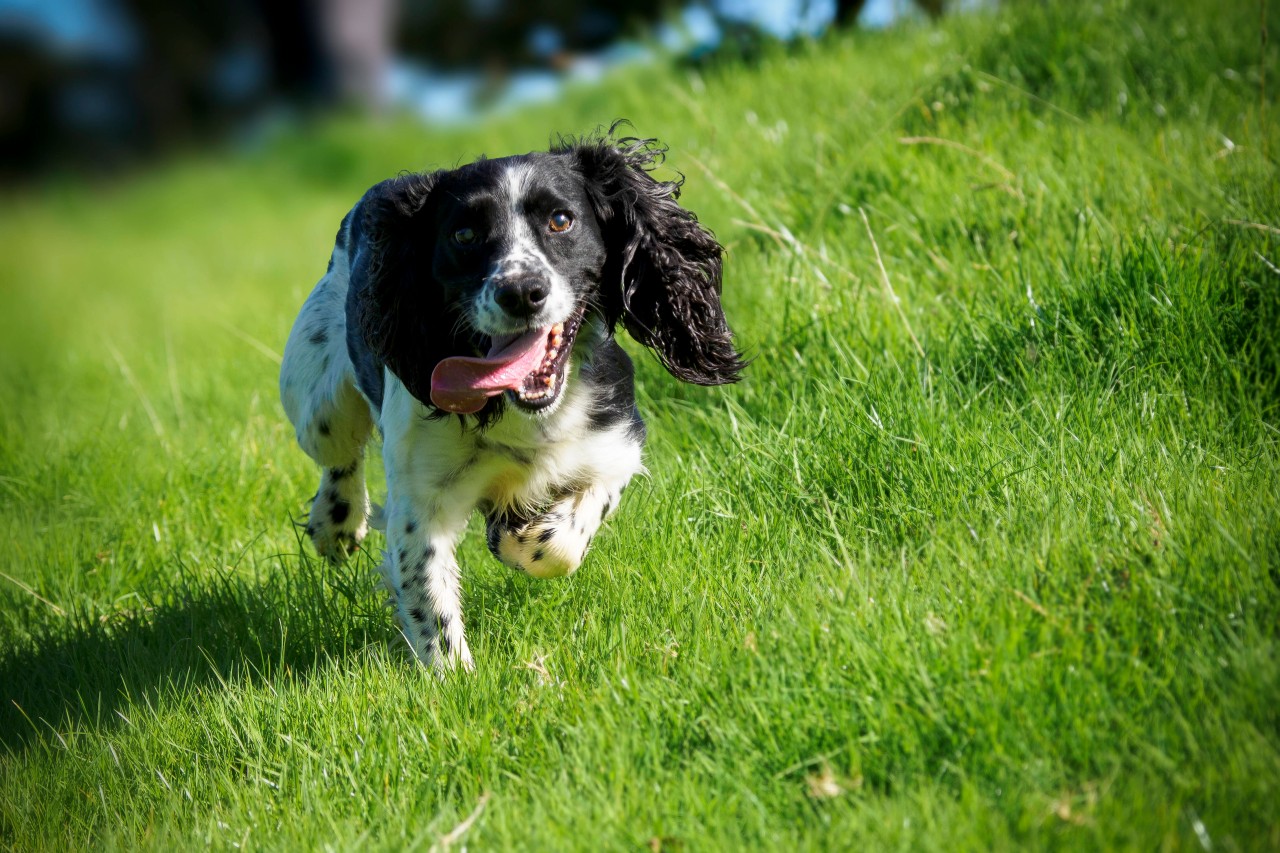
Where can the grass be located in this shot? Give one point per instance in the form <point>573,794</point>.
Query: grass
<point>991,564</point>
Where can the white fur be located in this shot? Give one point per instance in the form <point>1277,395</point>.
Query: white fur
<point>438,473</point>
<point>331,418</point>
<point>525,256</point>
<point>554,543</point>
<point>552,467</point>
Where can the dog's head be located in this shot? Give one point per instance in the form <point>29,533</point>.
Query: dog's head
<point>475,282</point>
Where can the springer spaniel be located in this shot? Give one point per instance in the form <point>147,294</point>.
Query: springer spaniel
<point>469,314</point>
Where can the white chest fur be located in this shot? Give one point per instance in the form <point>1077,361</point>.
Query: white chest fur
<point>519,463</point>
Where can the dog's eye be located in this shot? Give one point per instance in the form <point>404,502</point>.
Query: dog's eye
<point>464,236</point>
<point>560,222</point>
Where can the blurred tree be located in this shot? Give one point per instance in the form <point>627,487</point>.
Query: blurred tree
<point>932,8</point>
<point>503,34</point>
<point>171,70</point>
<point>847,11</point>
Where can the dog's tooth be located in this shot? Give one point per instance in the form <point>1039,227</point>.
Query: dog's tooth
<point>552,353</point>
<point>557,329</point>
<point>548,381</point>
<point>556,340</point>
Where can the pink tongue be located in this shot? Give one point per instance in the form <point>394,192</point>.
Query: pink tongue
<point>462,384</point>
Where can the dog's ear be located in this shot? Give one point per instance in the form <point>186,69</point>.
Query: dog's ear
<point>662,275</point>
<point>393,304</point>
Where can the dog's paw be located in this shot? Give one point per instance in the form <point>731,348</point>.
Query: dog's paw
<point>336,546</point>
<point>433,650</point>
<point>551,545</point>
<point>339,518</point>
<point>444,664</point>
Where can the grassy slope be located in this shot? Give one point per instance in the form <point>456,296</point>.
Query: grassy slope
<point>1020,589</point>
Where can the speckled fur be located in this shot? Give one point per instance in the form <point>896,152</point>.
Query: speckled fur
<point>396,299</point>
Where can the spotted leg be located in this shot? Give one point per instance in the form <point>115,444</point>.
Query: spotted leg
<point>339,513</point>
<point>421,572</point>
<point>553,543</point>
<point>331,419</point>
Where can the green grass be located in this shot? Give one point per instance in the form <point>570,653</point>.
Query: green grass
<point>1013,586</point>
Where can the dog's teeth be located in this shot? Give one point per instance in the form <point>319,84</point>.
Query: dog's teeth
<point>549,381</point>
<point>556,340</point>
<point>552,353</point>
<point>557,329</point>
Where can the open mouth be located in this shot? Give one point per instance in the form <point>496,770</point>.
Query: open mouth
<point>529,367</point>
<point>543,385</point>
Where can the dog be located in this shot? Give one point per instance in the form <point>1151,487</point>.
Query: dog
<point>469,314</point>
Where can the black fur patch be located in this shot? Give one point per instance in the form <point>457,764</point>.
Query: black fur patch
<point>635,260</point>
<point>340,239</point>
<point>667,263</point>
<point>612,377</point>
<point>523,457</point>
<point>456,474</point>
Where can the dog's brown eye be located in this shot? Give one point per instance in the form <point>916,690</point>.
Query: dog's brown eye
<point>464,236</point>
<point>560,222</point>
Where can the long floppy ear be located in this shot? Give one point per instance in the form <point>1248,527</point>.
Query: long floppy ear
<point>662,275</point>
<point>393,303</point>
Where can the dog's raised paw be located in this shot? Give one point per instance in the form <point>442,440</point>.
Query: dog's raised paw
<point>339,518</point>
<point>549,546</point>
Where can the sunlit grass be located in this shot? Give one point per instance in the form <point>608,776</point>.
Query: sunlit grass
<point>995,563</point>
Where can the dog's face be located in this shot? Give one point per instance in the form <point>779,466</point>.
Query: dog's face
<point>518,254</point>
<point>516,242</point>
<point>475,282</point>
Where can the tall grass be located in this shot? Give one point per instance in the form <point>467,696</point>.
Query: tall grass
<point>984,553</point>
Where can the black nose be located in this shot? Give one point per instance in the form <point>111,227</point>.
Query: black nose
<point>522,297</point>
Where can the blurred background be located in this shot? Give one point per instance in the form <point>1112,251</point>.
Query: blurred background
<point>100,85</point>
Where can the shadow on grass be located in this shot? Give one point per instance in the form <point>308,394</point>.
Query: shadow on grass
<point>86,669</point>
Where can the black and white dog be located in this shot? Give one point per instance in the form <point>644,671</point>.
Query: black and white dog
<point>469,314</point>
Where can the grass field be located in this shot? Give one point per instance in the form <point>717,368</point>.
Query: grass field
<point>984,552</point>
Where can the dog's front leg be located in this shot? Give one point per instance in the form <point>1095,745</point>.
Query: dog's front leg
<point>422,574</point>
<point>429,502</point>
